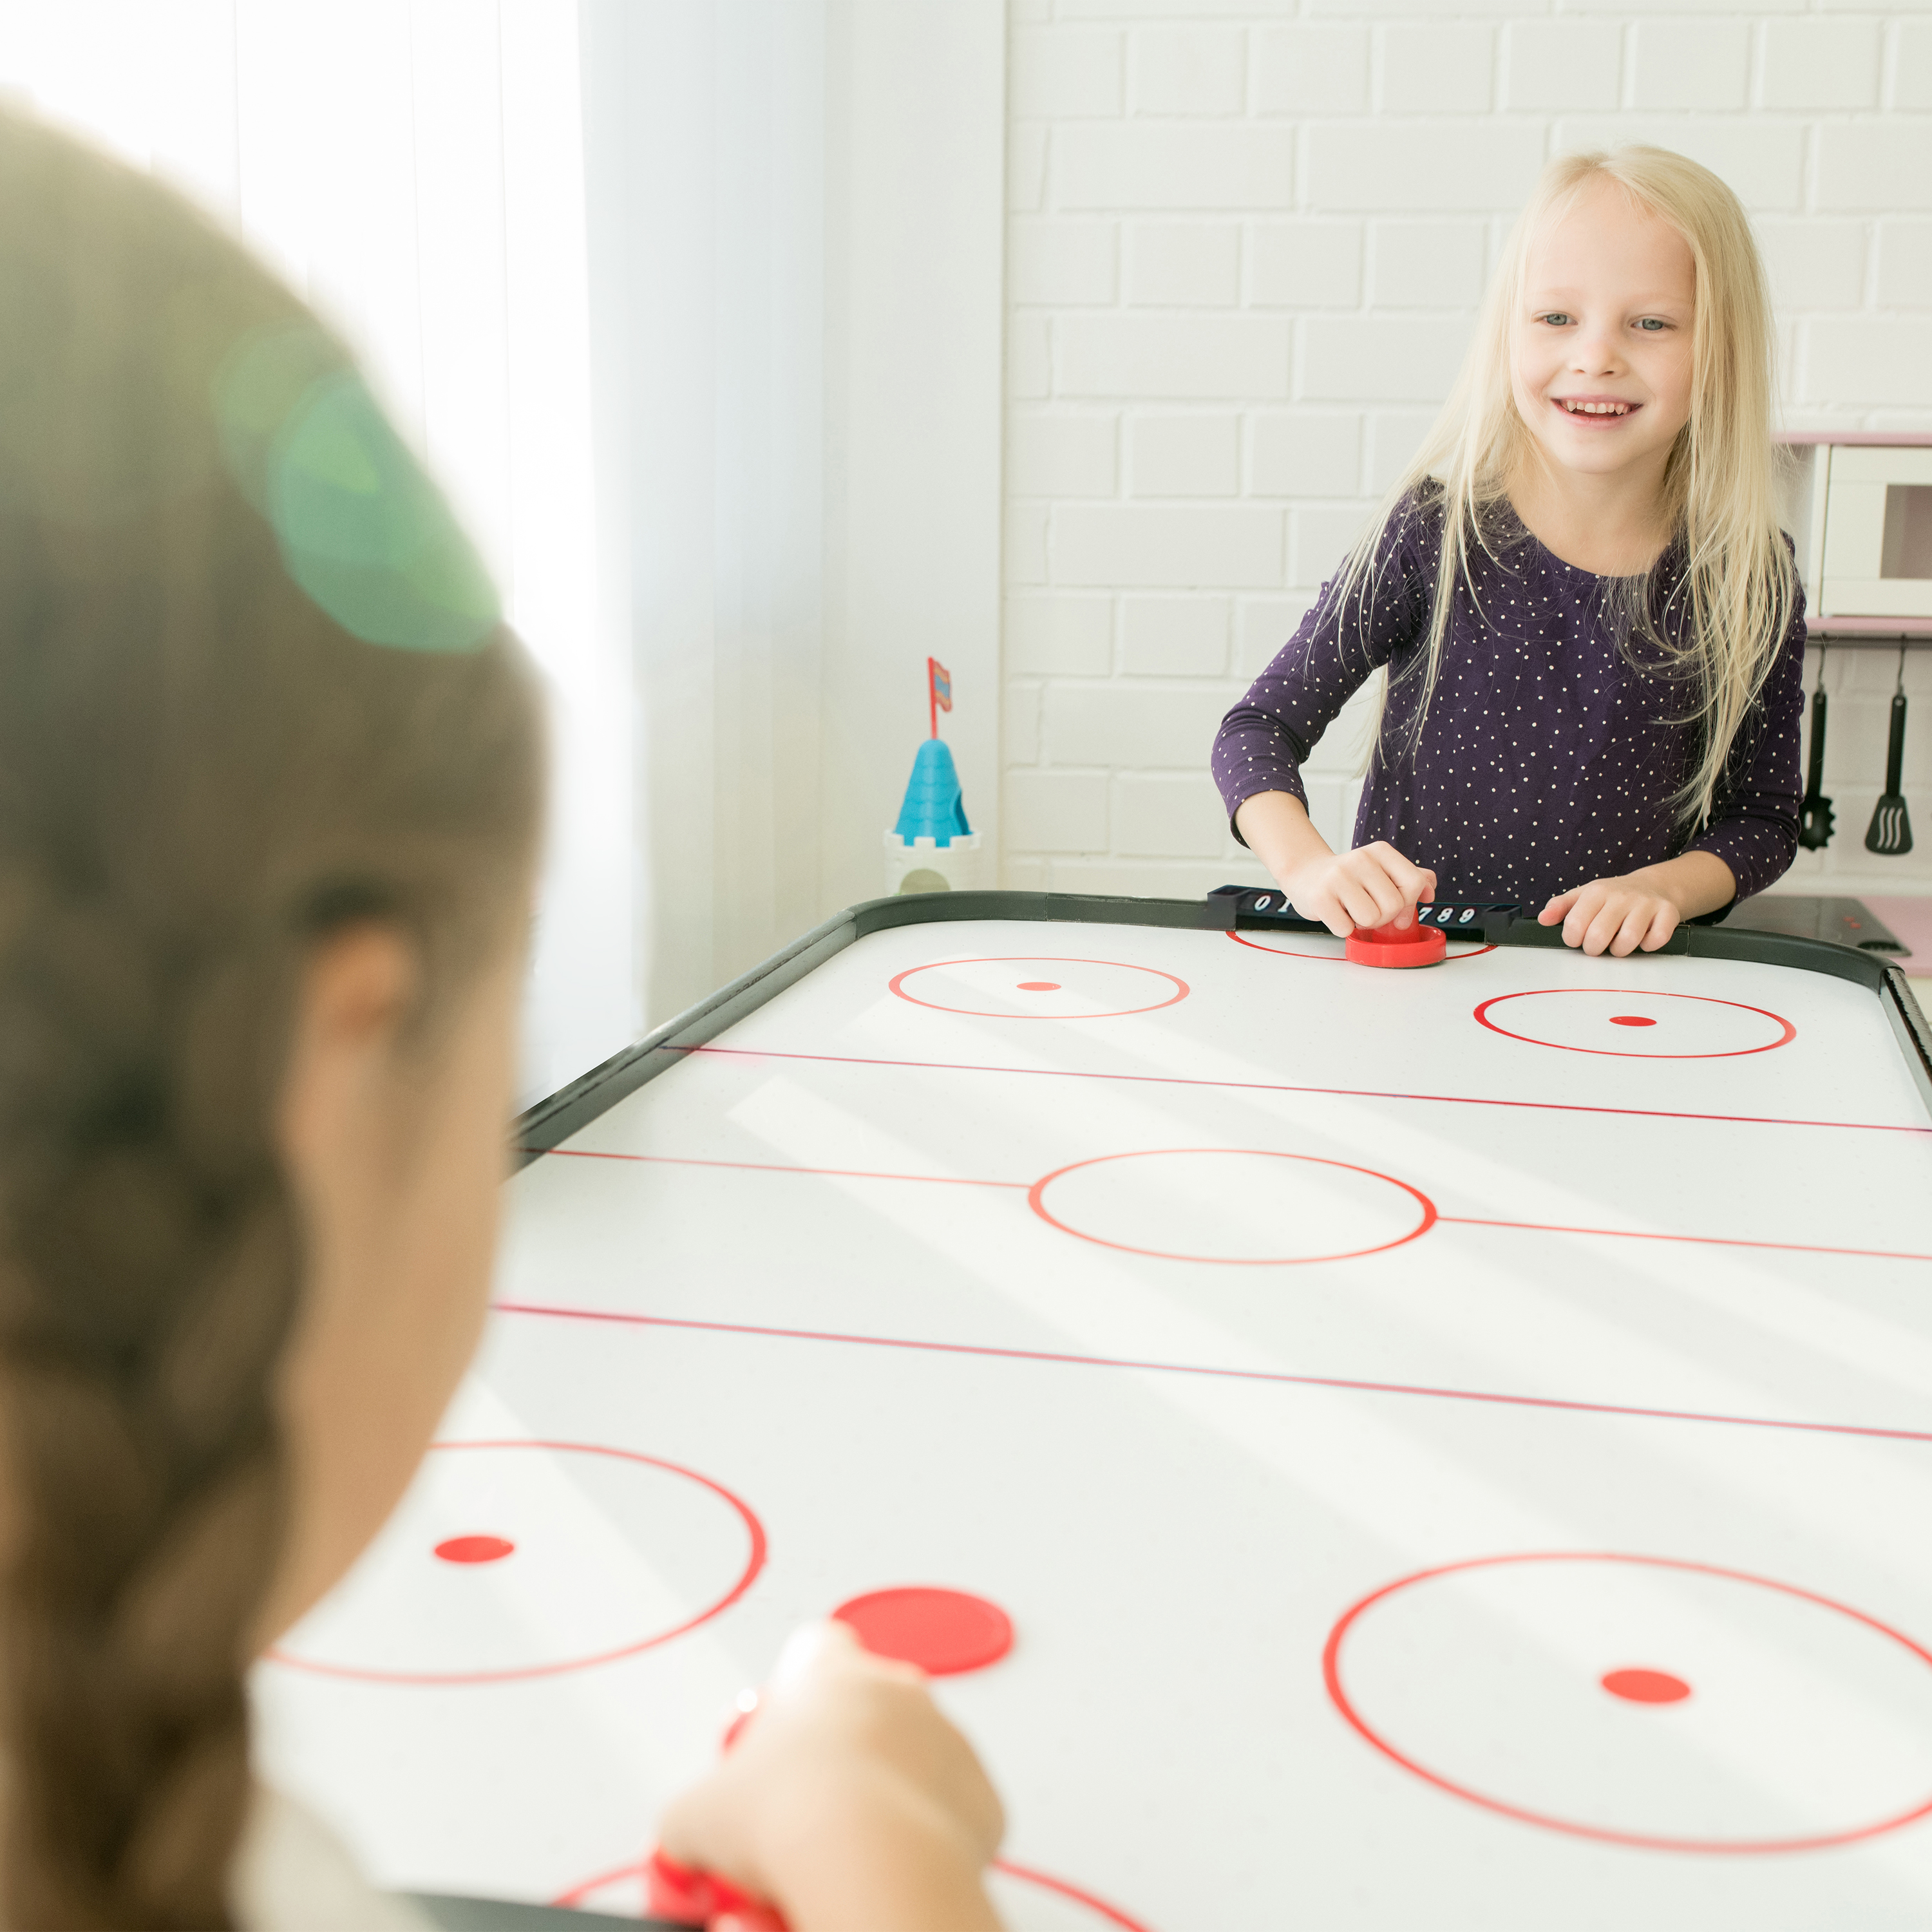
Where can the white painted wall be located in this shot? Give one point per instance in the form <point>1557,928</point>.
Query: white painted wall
<point>1246,242</point>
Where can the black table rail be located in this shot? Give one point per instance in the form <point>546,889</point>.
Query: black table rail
<point>450,1912</point>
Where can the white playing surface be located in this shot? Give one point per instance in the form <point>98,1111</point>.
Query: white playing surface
<point>1335,1374</point>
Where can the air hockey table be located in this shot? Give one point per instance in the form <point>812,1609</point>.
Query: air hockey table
<point>1449,1447</point>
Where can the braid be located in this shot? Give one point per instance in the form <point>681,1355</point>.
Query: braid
<point>146,1292</point>
<point>236,709</point>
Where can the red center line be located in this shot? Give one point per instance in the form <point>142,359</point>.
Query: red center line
<point>772,1167</point>
<point>1281,1087</point>
<point>1458,1220</point>
<point>1701,1240</point>
<point>1350,1385</point>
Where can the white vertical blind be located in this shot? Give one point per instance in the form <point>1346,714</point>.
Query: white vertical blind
<point>414,168</point>
<point>796,226</point>
<point>704,121</point>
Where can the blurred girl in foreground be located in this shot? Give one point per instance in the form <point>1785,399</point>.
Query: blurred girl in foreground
<point>269,794</point>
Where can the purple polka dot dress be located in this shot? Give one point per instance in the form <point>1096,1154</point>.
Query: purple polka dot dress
<point>1558,736</point>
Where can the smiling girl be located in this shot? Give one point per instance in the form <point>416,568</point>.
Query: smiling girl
<point>1592,630</point>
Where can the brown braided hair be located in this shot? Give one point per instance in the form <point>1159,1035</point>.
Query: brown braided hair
<point>252,687</point>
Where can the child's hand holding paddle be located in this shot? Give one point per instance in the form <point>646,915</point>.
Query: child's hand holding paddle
<point>848,1801</point>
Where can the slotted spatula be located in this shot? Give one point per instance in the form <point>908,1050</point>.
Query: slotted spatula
<point>1815,822</point>
<point>1890,833</point>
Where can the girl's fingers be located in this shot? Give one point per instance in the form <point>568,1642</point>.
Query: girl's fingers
<point>1409,882</point>
<point>1661,927</point>
<point>1613,922</point>
<point>1387,898</point>
<point>1372,886</point>
<point>1597,921</point>
<point>1324,906</point>
<point>1391,901</point>
<point>1632,932</point>
<point>1559,908</point>
<point>1415,883</point>
<point>1576,919</point>
<point>1385,887</point>
<point>1359,903</point>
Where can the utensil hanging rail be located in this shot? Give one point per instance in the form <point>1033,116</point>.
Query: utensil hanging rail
<point>1829,633</point>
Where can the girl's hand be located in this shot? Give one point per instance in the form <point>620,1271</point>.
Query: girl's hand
<point>1643,908</point>
<point>1374,885</point>
<point>849,1802</point>
<point>1614,916</point>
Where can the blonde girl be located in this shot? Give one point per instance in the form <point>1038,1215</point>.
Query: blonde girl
<point>269,784</point>
<point>1591,629</point>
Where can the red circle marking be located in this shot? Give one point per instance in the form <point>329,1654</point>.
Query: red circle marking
<point>1027,1875</point>
<point>1645,1687</point>
<point>1789,1034</point>
<point>474,1549</point>
<point>1341,959</point>
<point>1035,1200</point>
<point>582,1893</point>
<point>755,1561</point>
<point>945,1632</point>
<point>897,984</point>
<point>1039,985</point>
<point>1631,1019</point>
<point>1331,1673</point>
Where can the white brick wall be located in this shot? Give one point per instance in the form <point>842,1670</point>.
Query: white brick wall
<point>1245,243</point>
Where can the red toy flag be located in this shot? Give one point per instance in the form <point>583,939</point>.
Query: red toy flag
<point>938,691</point>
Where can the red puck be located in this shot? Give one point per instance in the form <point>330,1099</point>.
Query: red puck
<point>474,1549</point>
<point>1415,944</point>
<point>1645,1687</point>
<point>944,1632</point>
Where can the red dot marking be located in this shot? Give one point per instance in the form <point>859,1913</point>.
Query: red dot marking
<point>944,1632</point>
<point>1646,1686</point>
<point>1631,1019</point>
<point>1039,985</point>
<point>474,1548</point>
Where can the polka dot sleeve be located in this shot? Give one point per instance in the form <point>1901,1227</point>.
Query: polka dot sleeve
<point>1264,741</point>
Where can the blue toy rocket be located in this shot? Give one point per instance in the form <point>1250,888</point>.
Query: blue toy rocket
<point>934,807</point>
<point>932,848</point>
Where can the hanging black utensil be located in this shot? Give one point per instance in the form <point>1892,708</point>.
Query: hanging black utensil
<point>1891,831</point>
<point>1815,822</point>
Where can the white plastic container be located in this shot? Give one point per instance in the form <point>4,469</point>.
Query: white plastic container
<point>925,865</point>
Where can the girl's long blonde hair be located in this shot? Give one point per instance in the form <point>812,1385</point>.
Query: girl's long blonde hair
<point>1719,484</point>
